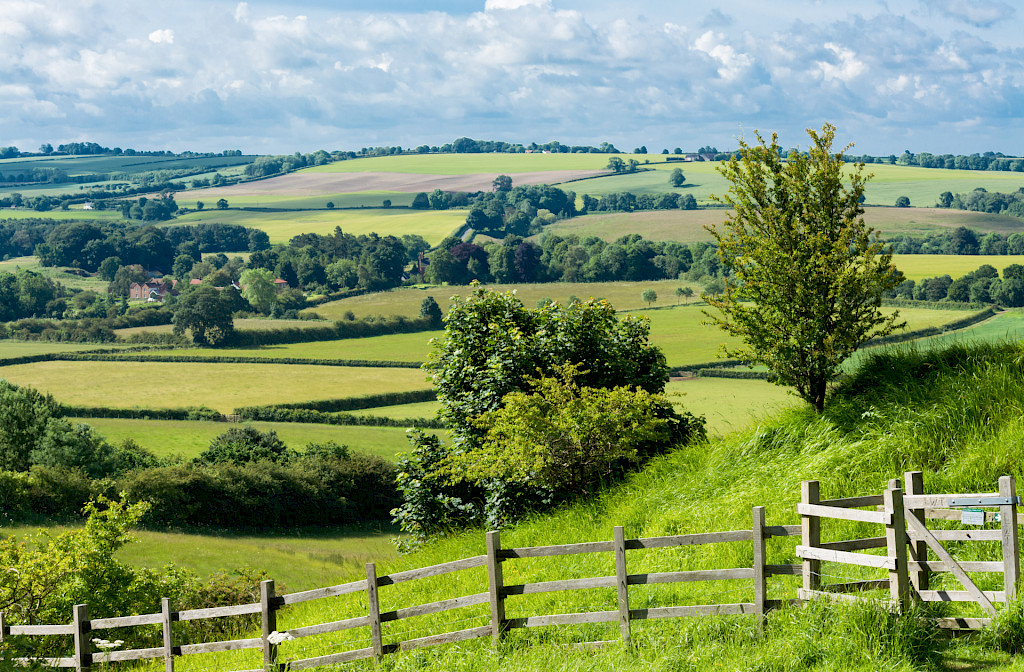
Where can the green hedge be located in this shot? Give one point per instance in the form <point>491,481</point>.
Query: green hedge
<point>733,373</point>
<point>359,403</point>
<point>190,413</point>
<point>398,324</point>
<point>225,359</point>
<point>939,305</point>
<point>272,414</point>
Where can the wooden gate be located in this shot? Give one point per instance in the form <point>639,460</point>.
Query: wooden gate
<point>914,552</point>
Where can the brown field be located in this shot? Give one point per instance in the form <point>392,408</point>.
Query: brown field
<point>687,226</point>
<point>314,184</point>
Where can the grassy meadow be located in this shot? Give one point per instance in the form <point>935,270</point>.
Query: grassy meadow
<point>282,226</point>
<point>730,404</point>
<point>188,438</point>
<point>240,198</point>
<point>919,266</point>
<point>392,347</point>
<point>223,387</point>
<point>10,348</point>
<point>55,273</point>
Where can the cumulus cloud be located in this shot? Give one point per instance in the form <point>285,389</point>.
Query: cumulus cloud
<point>165,36</point>
<point>981,13</point>
<point>302,75</point>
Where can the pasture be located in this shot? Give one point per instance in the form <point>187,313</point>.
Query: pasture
<point>10,348</point>
<point>55,273</point>
<point>188,438</point>
<point>249,195</point>
<point>223,387</point>
<point>392,347</point>
<point>283,226</point>
<point>730,404</point>
<point>300,559</point>
<point>919,266</point>
<point>406,300</point>
<point>687,226</point>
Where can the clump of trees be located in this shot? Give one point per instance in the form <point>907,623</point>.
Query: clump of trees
<point>577,361</point>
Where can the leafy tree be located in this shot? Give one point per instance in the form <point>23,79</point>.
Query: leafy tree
<point>24,414</point>
<point>239,445</point>
<point>650,296</point>
<point>258,289</point>
<point>502,183</point>
<point>200,205</point>
<point>330,205</point>
<point>74,446</point>
<point>430,310</point>
<point>222,204</point>
<point>421,201</point>
<point>902,202</point>
<point>108,267</point>
<point>683,292</point>
<point>808,274</point>
<point>676,178</point>
<point>206,313</point>
<point>617,164</point>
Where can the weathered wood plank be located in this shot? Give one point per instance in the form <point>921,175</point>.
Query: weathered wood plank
<point>445,638</point>
<point>939,501</point>
<point>333,626</point>
<point>166,620</point>
<point>622,584</point>
<point>694,575</point>
<point>896,543</point>
<point>549,551</point>
<point>958,571</point>
<point>268,621</point>
<point>320,593</point>
<point>760,570</point>
<point>40,629</point>
<point>810,535</point>
<point>48,662</point>
<point>913,482</point>
<point>844,557</point>
<point>959,595</point>
<point>433,570</point>
<point>1010,540</point>
<point>957,623</point>
<point>218,612</point>
<point>83,650</point>
<point>879,517</point>
<point>784,570</point>
<point>556,586</point>
<point>854,544</point>
<point>130,654</point>
<point>689,539</point>
<point>332,659</point>
<point>695,610</point>
<point>229,645</point>
<point>991,566</point>
<point>962,535</point>
<point>564,619</point>
<point>125,621</point>
<point>435,607</point>
<point>852,502</point>
<point>495,585</point>
<point>373,601</point>
<point>783,530</point>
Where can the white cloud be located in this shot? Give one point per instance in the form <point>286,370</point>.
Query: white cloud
<point>731,62</point>
<point>491,5</point>
<point>242,12</point>
<point>848,68</point>
<point>164,36</point>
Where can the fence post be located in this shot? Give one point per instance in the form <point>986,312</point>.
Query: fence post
<point>622,582</point>
<point>374,601</point>
<point>810,535</point>
<point>914,484</point>
<point>896,546</point>
<point>1008,525</point>
<point>495,585</point>
<point>82,628</point>
<point>165,613</point>
<point>268,617</point>
<point>760,562</point>
<point>3,628</point>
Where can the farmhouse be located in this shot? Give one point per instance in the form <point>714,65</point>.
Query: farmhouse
<point>152,290</point>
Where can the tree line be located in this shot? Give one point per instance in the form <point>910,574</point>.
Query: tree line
<point>961,240</point>
<point>982,285</point>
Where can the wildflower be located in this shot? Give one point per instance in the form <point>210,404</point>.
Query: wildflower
<point>106,644</point>
<point>276,637</point>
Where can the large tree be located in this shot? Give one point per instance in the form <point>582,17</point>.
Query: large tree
<point>807,274</point>
<point>206,313</point>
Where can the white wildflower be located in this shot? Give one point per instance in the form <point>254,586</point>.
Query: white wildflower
<point>106,644</point>
<point>276,637</point>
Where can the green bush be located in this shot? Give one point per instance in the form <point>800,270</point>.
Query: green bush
<point>240,445</point>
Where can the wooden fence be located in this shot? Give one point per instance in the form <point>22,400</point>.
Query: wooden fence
<point>373,620</point>
<point>904,512</point>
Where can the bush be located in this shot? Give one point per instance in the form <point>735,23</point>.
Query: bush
<point>240,445</point>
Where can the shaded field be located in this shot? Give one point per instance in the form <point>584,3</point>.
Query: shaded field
<point>300,559</point>
<point>55,273</point>
<point>392,347</point>
<point>72,213</point>
<point>919,266</point>
<point>242,324</point>
<point>730,404</point>
<point>223,387</point>
<point>407,300</point>
<point>106,163</point>
<point>687,226</point>
<point>188,438</point>
<point>282,226</point>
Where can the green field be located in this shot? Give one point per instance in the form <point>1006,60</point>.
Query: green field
<point>220,386</point>
<point>300,559</point>
<point>687,226</point>
<point>55,273</point>
<point>73,213</point>
<point>283,226</point>
<point>730,404</point>
<point>358,199</point>
<point>919,266</point>
<point>10,348</point>
<point>242,324</point>
<point>392,347</point>
<point>406,300</point>
<point>189,438</point>
<point>467,164</point>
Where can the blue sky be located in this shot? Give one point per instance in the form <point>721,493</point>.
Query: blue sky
<point>271,76</point>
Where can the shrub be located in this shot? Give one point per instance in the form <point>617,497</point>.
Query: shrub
<point>239,445</point>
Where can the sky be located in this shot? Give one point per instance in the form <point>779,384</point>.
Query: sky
<point>276,76</point>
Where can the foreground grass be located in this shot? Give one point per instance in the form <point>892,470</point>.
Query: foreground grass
<point>189,438</point>
<point>223,387</point>
<point>957,415</point>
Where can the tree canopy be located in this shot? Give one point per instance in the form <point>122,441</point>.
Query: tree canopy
<point>807,275</point>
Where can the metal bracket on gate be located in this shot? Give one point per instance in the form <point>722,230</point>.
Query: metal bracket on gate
<point>957,502</point>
